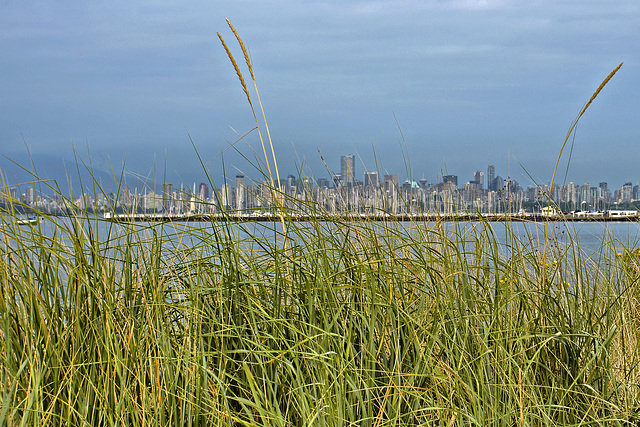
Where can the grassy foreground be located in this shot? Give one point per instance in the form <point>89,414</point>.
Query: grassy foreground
<point>334,324</point>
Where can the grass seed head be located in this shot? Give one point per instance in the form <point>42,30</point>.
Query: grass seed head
<point>236,67</point>
<point>244,50</point>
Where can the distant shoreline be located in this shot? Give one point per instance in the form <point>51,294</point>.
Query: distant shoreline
<point>243,217</point>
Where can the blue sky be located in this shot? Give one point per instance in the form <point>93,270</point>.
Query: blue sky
<point>450,85</point>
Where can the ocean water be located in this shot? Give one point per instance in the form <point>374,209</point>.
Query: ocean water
<point>592,237</point>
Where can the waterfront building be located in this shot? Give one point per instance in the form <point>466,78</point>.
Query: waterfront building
<point>323,183</point>
<point>371,179</point>
<point>337,180</point>
<point>450,179</point>
<point>226,197</point>
<point>167,197</point>
<point>290,183</point>
<point>497,183</point>
<point>478,178</point>
<point>348,170</point>
<point>391,193</point>
<point>203,191</point>
<point>151,202</point>
<point>391,180</point>
<point>626,192</point>
<point>491,175</point>
<point>30,196</point>
<point>240,192</point>
<point>584,197</point>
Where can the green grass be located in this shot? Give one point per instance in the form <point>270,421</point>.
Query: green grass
<point>349,323</point>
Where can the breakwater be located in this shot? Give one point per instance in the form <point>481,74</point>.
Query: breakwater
<point>427,217</point>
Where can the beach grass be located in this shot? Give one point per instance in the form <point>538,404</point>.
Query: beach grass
<point>335,323</point>
<point>317,323</point>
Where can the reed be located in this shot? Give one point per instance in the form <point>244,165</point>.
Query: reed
<point>323,323</point>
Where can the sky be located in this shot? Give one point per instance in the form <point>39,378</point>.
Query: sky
<point>145,90</point>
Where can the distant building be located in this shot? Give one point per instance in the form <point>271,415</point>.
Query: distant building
<point>240,196</point>
<point>371,179</point>
<point>323,183</point>
<point>497,183</point>
<point>203,191</point>
<point>226,196</point>
<point>478,178</point>
<point>391,181</point>
<point>348,170</point>
<point>491,175</point>
<point>450,179</point>
<point>337,180</point>
<point>167,197</point>
<point>30,196</point>
<point>290,182</point>
<point>626,192</point>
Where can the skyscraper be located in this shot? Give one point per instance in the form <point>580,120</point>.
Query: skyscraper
<point>30,196</point>
<point>348,170</point>
<point>391,181</point>
<point>167,197</point>
<point>240,201</point>
<point>371,179</point>
<point>203,191</point>
<point>453,179</point>
<point>478,178</point>
<point>491,175</point>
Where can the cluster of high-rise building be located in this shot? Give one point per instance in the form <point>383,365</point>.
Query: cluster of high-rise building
<point>344,192</point>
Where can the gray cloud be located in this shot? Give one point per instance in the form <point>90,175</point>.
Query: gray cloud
<point>472,82</point>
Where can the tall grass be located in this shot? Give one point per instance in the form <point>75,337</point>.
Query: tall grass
<point>327,323</point>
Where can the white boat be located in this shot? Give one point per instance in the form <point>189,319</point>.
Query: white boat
<point>27,221</point>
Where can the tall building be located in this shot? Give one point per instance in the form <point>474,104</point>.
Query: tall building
<point>491,175</point>
<point>391,181</point>
<point>626,192</point>
<point>290,182</point>
<point>371,179</point>
<point>453,179</point>
<point>226,196</point>
<point>167,197</point>
<point>240,201</point>
<point>203,191</point>
<point>603,186</point>
<point>497,183</point>
<point>348,170</point>
<point>30,196</point>
<point>323,183</point>
<point>478,178</point>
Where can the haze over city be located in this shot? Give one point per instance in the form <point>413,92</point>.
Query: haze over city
<point>442,87</point>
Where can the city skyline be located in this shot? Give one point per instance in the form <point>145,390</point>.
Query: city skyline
<point>342,192</point>
<point>447,86</point>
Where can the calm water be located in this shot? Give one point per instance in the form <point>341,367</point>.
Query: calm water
<point>591,236</point>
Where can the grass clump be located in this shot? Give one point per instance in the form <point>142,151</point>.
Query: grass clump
<point>348,323</point>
